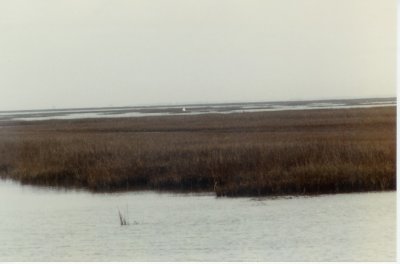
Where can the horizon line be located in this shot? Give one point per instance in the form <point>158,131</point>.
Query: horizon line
<point>196,103</point>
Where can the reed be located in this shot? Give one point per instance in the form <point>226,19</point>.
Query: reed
<point>122,219</point>
<point>265,153</point>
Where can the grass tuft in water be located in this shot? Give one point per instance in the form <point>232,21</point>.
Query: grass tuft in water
<point>122,219</point>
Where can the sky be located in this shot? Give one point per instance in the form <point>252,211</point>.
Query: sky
<point>94,53</point>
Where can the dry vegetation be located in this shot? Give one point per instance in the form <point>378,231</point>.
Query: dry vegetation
<point>266,153</point>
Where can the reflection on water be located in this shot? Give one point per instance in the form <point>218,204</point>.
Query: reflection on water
<point>47,225</point>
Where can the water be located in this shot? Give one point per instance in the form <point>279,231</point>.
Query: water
<point>198,109</point>
<point>40,224</point>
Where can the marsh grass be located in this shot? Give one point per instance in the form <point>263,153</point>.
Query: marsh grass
<point>266,153</point>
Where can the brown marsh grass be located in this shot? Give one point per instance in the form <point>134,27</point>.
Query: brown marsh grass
<point>244,154</point>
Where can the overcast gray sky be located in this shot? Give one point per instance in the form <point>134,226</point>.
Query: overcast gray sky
<point>85,53</point>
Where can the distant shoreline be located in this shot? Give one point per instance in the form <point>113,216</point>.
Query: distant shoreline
<point>240,154</point>
<point>191,109</point>
<point>385,98</point>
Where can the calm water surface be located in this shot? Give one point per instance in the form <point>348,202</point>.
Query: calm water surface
<point>40,224</point>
